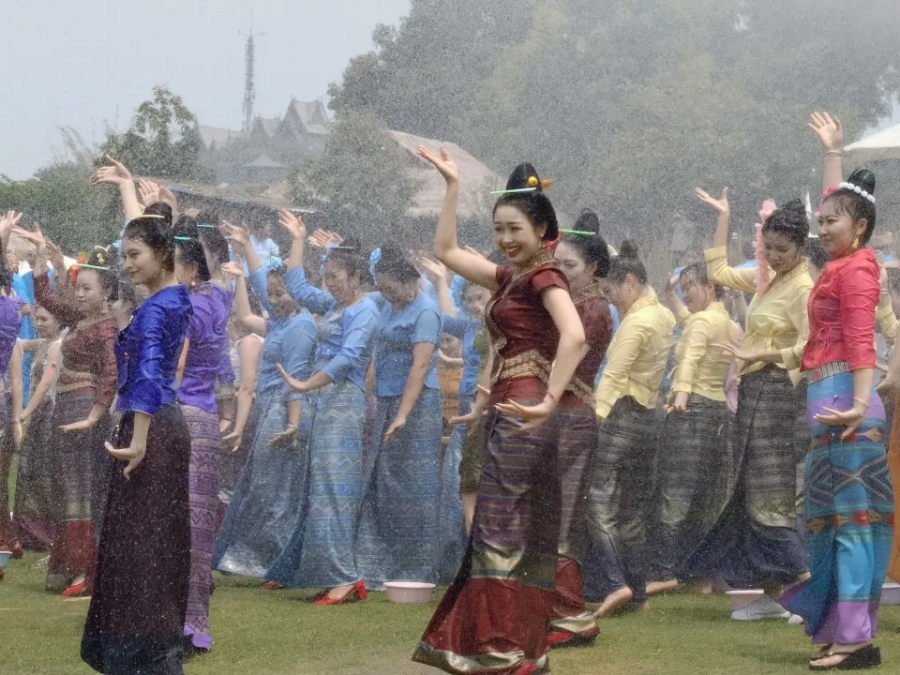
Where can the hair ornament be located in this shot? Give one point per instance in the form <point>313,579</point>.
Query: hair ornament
<point>182,238</point>
<point>91,267</point>
<point>858,190</point>
<point>374,259</point>
<point>273,264</point>
<point>206,225</point>
<point>580,233</point>
<point>514,192</point>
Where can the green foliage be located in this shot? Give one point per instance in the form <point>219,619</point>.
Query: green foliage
<point>162,141</point>
<point>630,105</point>
<point>360,182</point>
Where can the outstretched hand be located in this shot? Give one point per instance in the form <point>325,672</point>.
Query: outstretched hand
<point>232,270</point>
<point>719,205</point>
<point>238,236</point>
<point>148,192</point>
<point>324,238</point>
<point>533,416</point>
<point>292,223</point>
<point>35,236</point>
<point>829,130</point>
<point>114,174</point>
<point>292,382</point>
<point>9,222</point>
<point>444,163</point>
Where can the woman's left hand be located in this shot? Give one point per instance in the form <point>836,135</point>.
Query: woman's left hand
<point>132,454</point>
<point>286,437</point>
<point>736,352</point>
<point>292,382</point>
<point>395,427</point>
<point>851,419</point>
<point>533,415</point>
<point>83,425</point>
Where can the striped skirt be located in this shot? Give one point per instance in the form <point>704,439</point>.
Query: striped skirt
<point>578,431</point>
<point>618,504</point>
<point>206,450</point>
<point>265,510</point>
<point>849,516</point>
<point>894,465</point>
<point>755,538</point>
<point>398,533</point>
<point>494,616</point>
<point>321,551</point>
<point>37,486</point>
<point>693,472</point>
<point>453,529</point>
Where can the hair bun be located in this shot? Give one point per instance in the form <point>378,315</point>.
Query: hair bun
<point>186,228</point>
<point>795,208</point>
<point>526,176</point>
<point>157,209</point>
<point>863,179</point>
<point>629,250</point>
<point>588,222</point>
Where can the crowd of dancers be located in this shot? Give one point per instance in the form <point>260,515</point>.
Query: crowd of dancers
<point>184,400</point>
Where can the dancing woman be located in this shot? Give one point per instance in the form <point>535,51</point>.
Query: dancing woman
<point>694,464</point>
<point>398,535</point>
<point>85,391</point>
<point>848,507</point>
<point>622,469</point>
<point>135,622</point>
<point>755,538</point>
<point>585,262</point>
<point>200,364</point>
<point>263,513</point>
<point>321,552</point>
<point>493,618</point>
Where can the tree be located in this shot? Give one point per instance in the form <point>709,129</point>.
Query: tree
<point>360,183</point>
<point>162,141</point>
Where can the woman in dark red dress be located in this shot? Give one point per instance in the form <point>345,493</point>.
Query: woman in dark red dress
<point>494,616</point>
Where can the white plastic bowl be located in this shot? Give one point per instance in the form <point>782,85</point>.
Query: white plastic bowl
<point>740,599</point>
<point>4,558</point>
<point>408,592</point>
<point>890,594</point>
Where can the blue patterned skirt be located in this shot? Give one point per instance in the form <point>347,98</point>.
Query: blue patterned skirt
<point>265,510</point>
<point>453,528</point>
<point>398,532</point>
<point>320,554</point>
<point>849,514</point>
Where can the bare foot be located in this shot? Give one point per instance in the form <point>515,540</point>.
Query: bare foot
<point>613,601</point>
<point>699,587</point>
<point>656,587</point>
<point>837,655</point>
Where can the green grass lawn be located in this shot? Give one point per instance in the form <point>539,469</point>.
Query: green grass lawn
<point>282,633</point>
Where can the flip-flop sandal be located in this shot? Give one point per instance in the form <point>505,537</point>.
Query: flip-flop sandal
<point>821,654</point>
<point>867,657</point>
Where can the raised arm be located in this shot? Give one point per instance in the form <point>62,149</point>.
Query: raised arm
<point>297,230</point>
<point>115,173</point>
<point>446,245</point>
<point>717,257</point>
<point>830,133</point>
<point>241,306</point>
<point>678,309</point>
<point>249,351</point>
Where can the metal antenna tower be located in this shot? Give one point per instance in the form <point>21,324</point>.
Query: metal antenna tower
<point>249,88</point>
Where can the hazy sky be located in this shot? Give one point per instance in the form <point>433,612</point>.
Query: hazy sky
<point>83,63</point>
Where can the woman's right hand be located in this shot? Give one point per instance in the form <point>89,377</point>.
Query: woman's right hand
<point>238,236</point>
<point>233,440</point>
<point>829,130</point>
<point>35,236</point>
<point>292,382</point>
<point>444,163</point>
<point>114,174</point>
<point>133,454</point>
<point>292,223</point>
<point>719,205</point>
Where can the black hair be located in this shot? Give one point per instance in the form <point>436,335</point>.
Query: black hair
<point>699,272</point>
<point>102,263</point>
<point>748,250</point>
<point>627,262</point>
<point>5,273</point>
<point>154,229</point>
<point>592,249</point>
<point>848,202</point>
<point>791,221</point>
<point>348,256</point>
<point>214,244</point>
<point>815,251</point>
<point>534,204</point>
<point>188,247</point>
<point>396,264</point>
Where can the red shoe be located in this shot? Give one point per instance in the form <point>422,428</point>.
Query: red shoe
<point>272,586</point>
<point>75,590</point>
<point>358,592</point>
<point>563,638</point>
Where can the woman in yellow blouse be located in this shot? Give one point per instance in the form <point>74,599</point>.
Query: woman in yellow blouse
<point>622,467</point>
<point>755,540</point>
<point>694,459</point>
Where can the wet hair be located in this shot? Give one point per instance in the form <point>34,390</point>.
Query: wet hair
<point>699,272</point>
<point>214,243</point>
<point>627,262</point>
<point>5,273</point>
<point>348,256</point>
<point>848,202</point>
<point>109,280</point>
<point>154,229</point>
<point>592,249</point>
<point>535,204</point>
<point>816,252</point>
<point>188,247</point>
<point>791,221</point>
<point>397,265</point>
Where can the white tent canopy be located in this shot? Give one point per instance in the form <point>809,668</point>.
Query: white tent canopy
<point>884,144</point>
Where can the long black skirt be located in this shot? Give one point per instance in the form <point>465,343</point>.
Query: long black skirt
<point>135,622</point>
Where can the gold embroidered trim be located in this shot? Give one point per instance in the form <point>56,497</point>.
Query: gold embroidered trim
<point>527,364</point>
<point>640,303</point>
<point>72,380</point>
<point>586,293</point>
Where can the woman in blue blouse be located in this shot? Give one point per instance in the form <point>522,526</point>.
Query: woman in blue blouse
<point>135,621</point>
<point>398,531</point>
<point>321,552</point>
<point>263,513</point>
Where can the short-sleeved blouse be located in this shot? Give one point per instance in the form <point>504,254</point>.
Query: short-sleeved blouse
<point>596,318</point>
<point>523,336</point>
<point>395,336</point>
